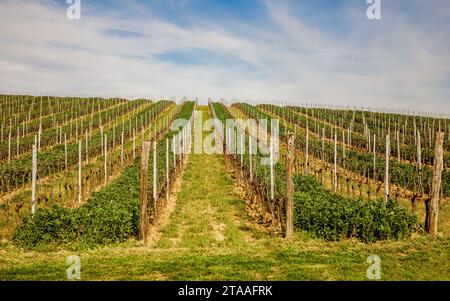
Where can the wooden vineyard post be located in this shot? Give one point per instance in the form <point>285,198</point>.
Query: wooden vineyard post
<point>134,144</point>
<point>65,151</point>
<point>106,158</point>
<point>79,172</point>
<point>403,132</point>
<point>154,181</point>
<point>181,145</point>
<point>114,136</point>
<point>121,149</point>
<point>415,131</point>
<point>349,138</point>
<point>235,146</point>
<point>429,135</point>
<point>322,176</point>
<point>225,139</point>
<point>226,144</point>
<point>419,162</point>
<point>142,137</point>
<point>307,151</point>
<point>433,208</point>
<point>398,146</point>
<point>335,163</point>
<point>167,170</point>
<point>33,179</point>
<point>184,142</point>
<point>143,217</point>
<point>289,188</point>
<point>386,179</point>
<point>9,146</point>
<point>39,136</point>
<point>343,148</point>
<point>174,153</point>
<point>101,139</point>
<point>323,144</point>
<point>17,142</point>
<point>374,157</point>
<point>87,147</point>
<point>242,150</point>
<point>179,148</point>
<point>250,154</point>
<point>272,190</point>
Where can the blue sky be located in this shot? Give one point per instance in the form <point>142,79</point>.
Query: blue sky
<point>316,51</point>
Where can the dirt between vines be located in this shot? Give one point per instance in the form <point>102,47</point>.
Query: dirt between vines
<point>259,222</point>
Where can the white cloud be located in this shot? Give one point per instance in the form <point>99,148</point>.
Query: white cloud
<point>393,63</point>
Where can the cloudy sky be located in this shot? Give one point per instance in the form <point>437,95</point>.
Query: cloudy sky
<point>315,51</point>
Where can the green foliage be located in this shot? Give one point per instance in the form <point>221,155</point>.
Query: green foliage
<point>185,113</point>
<point>110,215</point>
<point>328,215</point>
<point>332,217</point>
<point>357,160</point>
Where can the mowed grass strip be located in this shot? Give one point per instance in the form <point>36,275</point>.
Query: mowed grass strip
<point>270,259</point>
<point>207,205</point>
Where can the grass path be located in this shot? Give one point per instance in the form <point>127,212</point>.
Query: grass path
<point>210,237</point>
<point>208,212</point>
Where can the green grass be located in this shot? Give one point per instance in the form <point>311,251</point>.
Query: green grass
<point>210,237</point>
<point>267,258</point>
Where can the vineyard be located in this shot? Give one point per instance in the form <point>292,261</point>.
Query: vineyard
<point>329,215</point>
<point>122,183</point>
